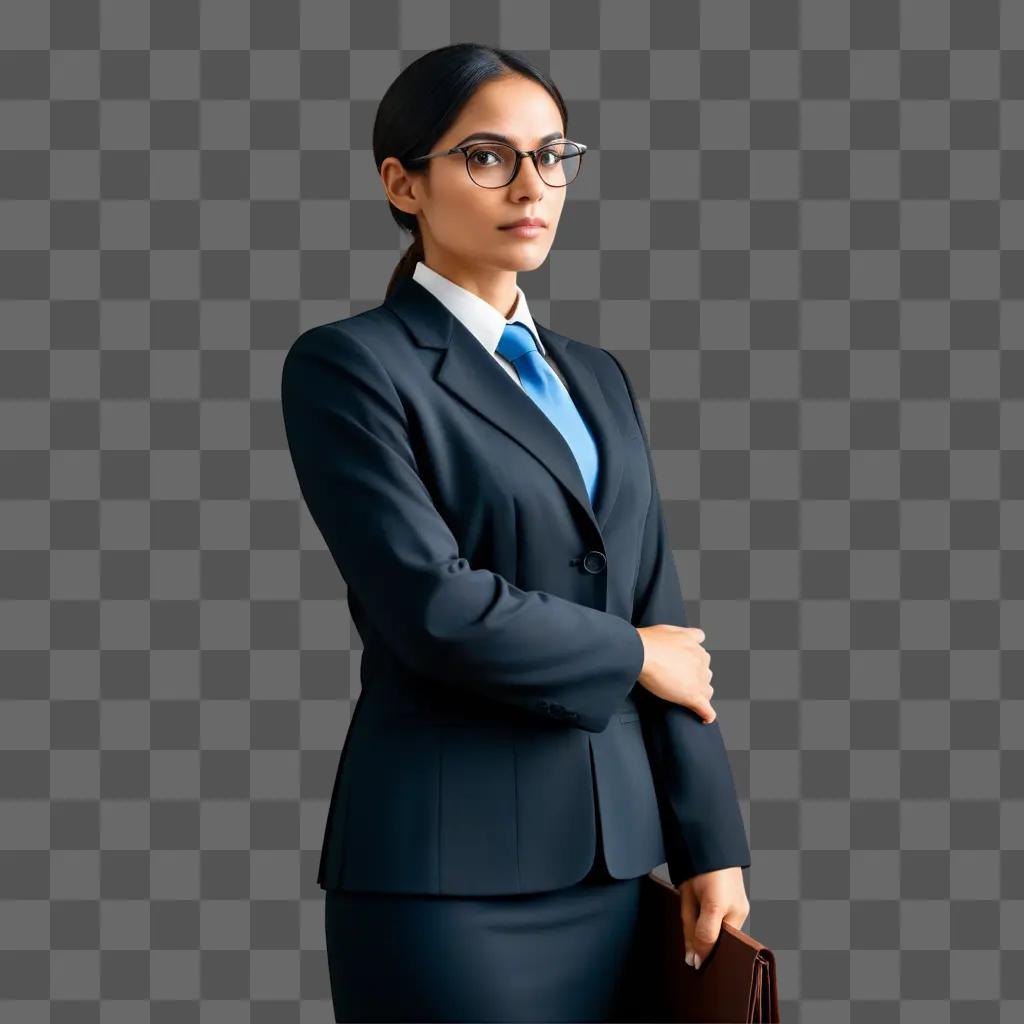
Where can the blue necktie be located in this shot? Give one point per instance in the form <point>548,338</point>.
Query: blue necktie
<point>539,381</point>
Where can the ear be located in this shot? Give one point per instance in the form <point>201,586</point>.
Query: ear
<point>400,186</point>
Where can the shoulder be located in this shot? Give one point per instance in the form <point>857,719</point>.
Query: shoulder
<point>339,336</point>
<point>607,366</point>
<point>604,364</point>
<point>340,355</point>
<point>374,336</point>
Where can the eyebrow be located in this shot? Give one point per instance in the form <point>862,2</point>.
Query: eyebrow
<point>504,138</point>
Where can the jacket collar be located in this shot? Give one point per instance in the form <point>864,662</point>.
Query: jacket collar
<point>470,373</point>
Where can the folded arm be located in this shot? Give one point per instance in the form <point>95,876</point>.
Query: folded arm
<point>471,628</point>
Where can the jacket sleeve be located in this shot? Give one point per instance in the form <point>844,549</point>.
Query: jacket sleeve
<point>348,437</point>
<point>701,819</point>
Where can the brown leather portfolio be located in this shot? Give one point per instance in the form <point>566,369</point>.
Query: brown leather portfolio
<point>736,984</point>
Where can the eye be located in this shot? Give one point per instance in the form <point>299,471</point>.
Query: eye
<point>484,152</point>
<point>550,153</point>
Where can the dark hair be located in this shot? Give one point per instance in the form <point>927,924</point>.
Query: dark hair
<point>424,101</point>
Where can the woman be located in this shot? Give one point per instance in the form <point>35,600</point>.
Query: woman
<point>533,732</point>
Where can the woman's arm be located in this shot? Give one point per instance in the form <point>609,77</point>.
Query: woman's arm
<point>348,437</point>
<point>701,819</point>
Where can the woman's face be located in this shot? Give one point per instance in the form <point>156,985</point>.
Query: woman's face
<point>460,221</point>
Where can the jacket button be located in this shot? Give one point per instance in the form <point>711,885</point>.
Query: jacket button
<point>594,561</point>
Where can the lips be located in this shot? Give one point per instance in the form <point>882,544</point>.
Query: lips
<point>526,223</point>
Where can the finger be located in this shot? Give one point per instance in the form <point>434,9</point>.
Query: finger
<point>703,711</point>
<point>706,929</point>
<point>737,915</point>
<point>698,633</point>
<point>689,911</point>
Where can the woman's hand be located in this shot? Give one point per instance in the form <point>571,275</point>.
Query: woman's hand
<point>676,667</point>
<point>707,900</point>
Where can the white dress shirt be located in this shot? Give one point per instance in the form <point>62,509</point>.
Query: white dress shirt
<point>482,320</point>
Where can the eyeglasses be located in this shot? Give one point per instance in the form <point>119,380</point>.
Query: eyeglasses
<point>495,164</point>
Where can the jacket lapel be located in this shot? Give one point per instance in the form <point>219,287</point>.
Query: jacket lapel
<point>472,376</point>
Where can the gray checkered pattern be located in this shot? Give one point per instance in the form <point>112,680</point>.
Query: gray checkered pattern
<point>799,225</point>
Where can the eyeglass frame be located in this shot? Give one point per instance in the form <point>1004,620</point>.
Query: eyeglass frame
<point>520,153</point>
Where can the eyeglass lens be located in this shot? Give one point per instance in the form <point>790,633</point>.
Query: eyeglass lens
<point>491,163</point>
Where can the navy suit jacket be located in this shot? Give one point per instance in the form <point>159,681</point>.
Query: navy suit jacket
<point>497,611</point>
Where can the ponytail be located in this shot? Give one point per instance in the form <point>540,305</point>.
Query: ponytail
<point>407,264</point>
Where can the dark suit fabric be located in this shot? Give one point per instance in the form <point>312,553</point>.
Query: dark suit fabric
<point>499,722</point>
<point>505,782</point>
<point>568,954</point>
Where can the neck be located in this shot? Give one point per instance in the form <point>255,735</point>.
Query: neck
<point>495,287</point>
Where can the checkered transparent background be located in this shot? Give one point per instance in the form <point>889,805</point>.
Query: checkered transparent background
<point>801,227</point>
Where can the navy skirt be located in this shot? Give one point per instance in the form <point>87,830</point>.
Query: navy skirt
<point>564,955</point>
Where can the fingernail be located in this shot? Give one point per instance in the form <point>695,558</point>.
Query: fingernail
<point>689,958</point>
<point>696,960</point>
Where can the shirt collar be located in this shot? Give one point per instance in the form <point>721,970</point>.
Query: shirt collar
<point>478,316</point>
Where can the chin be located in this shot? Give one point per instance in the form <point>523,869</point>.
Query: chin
<point>525,260</point>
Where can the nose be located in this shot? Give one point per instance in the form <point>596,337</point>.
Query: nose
<point>523,161</point>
